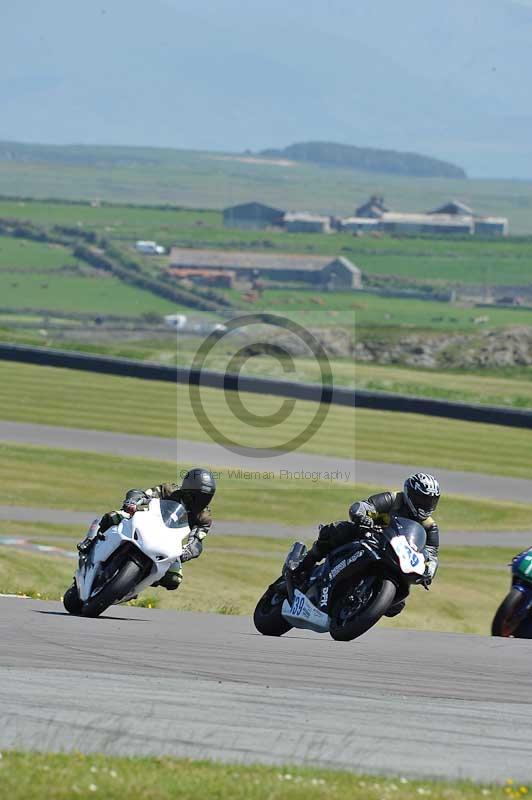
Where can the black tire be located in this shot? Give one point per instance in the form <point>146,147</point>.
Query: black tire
<point>72,601</point>
<point>345,629</point>
<point>127,576</point>
<point>267,617</point>
<point>506,621</point>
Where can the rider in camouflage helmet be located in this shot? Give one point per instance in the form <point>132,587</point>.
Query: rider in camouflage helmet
<point>195,492</point>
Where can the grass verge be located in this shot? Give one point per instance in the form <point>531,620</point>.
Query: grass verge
<point>234,571</point>
<point>501,390</point>
<point>76,399</point>
<point>64,479</point>
<point>31,776</point>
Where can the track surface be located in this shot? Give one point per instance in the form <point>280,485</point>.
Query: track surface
<point>199,685</point>
<point>182,451</point>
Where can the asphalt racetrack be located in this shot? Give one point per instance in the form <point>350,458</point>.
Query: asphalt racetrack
<point>150,682</point>
<point>139,681</point>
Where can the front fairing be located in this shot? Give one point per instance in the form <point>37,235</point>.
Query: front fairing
<point>154,532</point>
<point>522,568</point>
<point>405,541</point>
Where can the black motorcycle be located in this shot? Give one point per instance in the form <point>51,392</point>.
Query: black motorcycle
<point>352,589</point>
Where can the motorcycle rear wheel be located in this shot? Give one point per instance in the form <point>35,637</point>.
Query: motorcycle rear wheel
<point>120,585</point>
<point>506,622</point>
<point>344,628</point>
<point>267,617</point>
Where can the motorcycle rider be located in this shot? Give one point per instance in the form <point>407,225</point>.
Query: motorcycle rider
<point>196,490</point>
<point>417,501</point>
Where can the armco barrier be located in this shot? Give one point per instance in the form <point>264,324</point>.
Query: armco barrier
<point>159,372</point>
<point>494,415</point>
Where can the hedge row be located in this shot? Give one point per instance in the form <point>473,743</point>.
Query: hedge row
<point>100,254</point>
<point>130,271</point>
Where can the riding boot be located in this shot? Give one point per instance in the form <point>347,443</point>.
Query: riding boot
<point>395,609</point>
<point>172,579</point>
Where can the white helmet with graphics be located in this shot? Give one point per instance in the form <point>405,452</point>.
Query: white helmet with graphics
<point>422,493</point>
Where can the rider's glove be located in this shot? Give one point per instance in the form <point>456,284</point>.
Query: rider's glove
<point>426,579</point>
<point>135,500</point>
<point>358,514</point>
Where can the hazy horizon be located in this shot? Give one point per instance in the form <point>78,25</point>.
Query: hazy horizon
<point>448,82</point>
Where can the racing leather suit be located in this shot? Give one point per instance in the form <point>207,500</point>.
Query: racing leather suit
<point>379,508</point>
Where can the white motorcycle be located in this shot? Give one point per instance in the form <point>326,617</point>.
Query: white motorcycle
<point>128,558</point>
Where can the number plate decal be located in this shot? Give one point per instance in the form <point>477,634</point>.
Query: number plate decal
<point>409,559</point>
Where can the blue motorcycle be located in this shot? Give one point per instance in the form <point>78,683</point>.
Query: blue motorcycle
<point>514,615</point>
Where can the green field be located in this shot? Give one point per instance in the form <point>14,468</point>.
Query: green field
<point>436,261</point>
<point>120,222</point>
<point>20,256</point>
<point>212,180</point>
<point>33,776</point>
<point>98,294</point>
<point>365,310</point>
<point>35,275</point>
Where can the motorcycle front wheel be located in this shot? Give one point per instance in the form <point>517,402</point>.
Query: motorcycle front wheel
<point>356,608</point>
<point>72,601</point>
<point>507,620</point>
<point>121,584</point>
<point>267,617</point>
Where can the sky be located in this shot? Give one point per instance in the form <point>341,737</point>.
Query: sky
<point>449,79</point>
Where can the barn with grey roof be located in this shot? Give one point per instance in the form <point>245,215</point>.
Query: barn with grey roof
<point>322,271</point>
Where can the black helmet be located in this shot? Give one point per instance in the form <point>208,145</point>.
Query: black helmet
<point>197,489</point>
<point>422,493</point>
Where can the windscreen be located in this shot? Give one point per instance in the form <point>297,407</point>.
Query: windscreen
<point>174,514</point>
<point>411,530</point>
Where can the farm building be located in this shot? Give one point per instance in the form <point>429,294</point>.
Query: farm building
<point>301,222</point>
<point>425,223</point>
<point>354,224</point>
<point>490,226</point>
<point>454,208</point>
<point>374,208</point>
<point>222,278</point>
<point>336,273</point>
<point>482,226</point>
<point>252,216</point>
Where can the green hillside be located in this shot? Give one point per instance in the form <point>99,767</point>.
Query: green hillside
<point>368,159</point>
